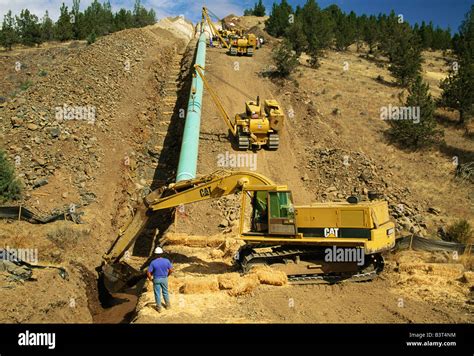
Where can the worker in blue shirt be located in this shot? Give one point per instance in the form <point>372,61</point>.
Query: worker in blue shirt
<point>158,271</point>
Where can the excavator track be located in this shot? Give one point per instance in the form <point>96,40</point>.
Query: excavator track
<point>248,259</point>
<point>273,141</point>
<point>244,142</point>
<point>318,279</point>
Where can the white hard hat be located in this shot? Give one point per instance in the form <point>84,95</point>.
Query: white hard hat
<point>158,250</point>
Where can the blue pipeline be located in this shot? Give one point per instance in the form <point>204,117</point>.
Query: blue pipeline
<point>190,145</point>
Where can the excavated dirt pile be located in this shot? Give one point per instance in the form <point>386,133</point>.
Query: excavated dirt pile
<point>43,127</point>
<point>178,26</point>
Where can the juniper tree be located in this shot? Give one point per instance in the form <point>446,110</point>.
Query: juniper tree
<point>345,32</point>
<point>419,129</point>
<point>285,59</point>
<point>47,28</point>
<point>458,91</point>
<point>28,28</point>
<point>259,9</point>
<point>279,19</point>
<point>458,87</point>
<point>8,34</point>
<point>10,188</point>
<point>297,37</point>
<point>319,28</point>
<point>63,25</point>
<point>405,55</point>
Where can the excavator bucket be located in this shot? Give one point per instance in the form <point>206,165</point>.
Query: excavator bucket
<point>115,271</point>
<point>119,276</point>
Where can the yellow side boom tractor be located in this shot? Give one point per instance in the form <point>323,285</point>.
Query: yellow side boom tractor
<point>233,40</point>
<point>243,45</point>
<point>222,35</point>
<point>259,126</point>
<point>329,242</point>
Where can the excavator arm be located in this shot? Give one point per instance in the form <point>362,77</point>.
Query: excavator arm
<point>205,17</point>
<point>217,101</point>
<point>215,185</point>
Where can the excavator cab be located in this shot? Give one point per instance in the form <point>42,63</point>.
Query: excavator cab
<point>281,214</point>
<point>273,213</point>
<point>260,212</point>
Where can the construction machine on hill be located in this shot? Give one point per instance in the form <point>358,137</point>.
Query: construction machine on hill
<point>234,40</point>
<point>258,126</point>
<point>221,35</point>
<point>243,45</point>
<point>310,243</point>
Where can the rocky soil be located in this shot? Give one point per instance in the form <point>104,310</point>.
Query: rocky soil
<point>98,158</point>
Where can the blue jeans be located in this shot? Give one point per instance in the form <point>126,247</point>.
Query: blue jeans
<point>158,285</point>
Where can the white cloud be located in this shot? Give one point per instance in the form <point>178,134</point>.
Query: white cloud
<point>192,9</point>
<point>37,7</point>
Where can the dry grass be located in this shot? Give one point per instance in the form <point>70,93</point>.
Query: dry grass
<point>467,261</point>
<point>468,277</point>
<point>200,285</point>
<point>470,129</point>
<point>193,241</point>
<point>451,270</point>
<point>65,235</point>
<point>228,280</point>
<point>16,240</point>
<point>216,254</point>
<point>245,285</point>
<point>268,276</point>
<point>440,283</point>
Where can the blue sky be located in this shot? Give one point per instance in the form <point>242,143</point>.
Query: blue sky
<point>442,12</point>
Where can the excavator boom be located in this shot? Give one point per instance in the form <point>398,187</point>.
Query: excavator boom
<point>214,185</point>
<point>217,101</point>
<point>215,32</point>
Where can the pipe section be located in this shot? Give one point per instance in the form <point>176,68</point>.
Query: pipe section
<point>188,156</point>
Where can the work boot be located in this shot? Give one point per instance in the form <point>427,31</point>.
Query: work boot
<point>168,305</point>
<point>157,308</point>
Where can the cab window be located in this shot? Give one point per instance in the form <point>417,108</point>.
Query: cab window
<point>281,205</point>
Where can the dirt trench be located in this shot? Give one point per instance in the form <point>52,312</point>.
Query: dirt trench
<point>136,145</point>
<point>120,307</point>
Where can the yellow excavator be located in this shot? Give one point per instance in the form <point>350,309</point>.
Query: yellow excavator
<point>259,126</point>
<point>329,242</point>
<point>234,40</point>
